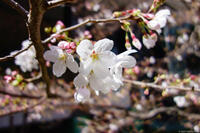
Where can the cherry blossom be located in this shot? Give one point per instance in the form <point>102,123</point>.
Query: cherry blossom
<point>159,20</point>
<point>181,101</point>
<point>61,60</point>
<point>96,58</point>
<point>124,60</point>
<point>26,60</point>
<point>136,43</point>
<point>149,41</point>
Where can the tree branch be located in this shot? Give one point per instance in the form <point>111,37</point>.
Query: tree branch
<point>5,113</point>
<point>56,3</point>
<point>168,110</point>
<point>17,7</point>
<point>19,95</point>
<point>152,85</point>
<point>34,78</point>
<point>37,10</point>
<point>10,57</point>
<point>94,21</point>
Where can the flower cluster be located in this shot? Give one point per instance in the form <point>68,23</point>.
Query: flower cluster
<point>61,58</point>
<point>100,69</point>
<point>15,79</point>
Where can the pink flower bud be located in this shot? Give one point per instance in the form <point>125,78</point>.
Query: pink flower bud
<point>86,33</point>
<point>8,78</point>
<point>136,70</point>
<point>14,73</point>
<point>49,44</point>
<point>59,22</point>
<point>73,45</point>
<point>63,45</point>
<point>148,15</point>
<point>146,92</point>
<point>193,77</point>
<point>137,43</point>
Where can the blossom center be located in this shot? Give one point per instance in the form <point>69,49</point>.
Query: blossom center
<point>62,56</point>
<point>94,56</point>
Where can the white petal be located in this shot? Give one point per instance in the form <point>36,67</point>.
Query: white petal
<point>71,63</point>
<point>86,67</point>
<point>103,45</point>
<point>54,47</point>
<point>82,95</point>
<point>95,83</point>
<point>148,42</point>
<point>84,48</point>
<point>153,25</point>
<point>126,53</point>
<point>162,22</point>
<point>110,84</point>
<point>107,58</point>
<point>100,70</point>
<point>59,68</point>
<point>163,13</point>
<point>80,81</point>
<point>127,62</point>
<point>137,44</point>
<point>51,56</point>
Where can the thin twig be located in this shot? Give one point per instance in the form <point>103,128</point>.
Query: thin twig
<point>17,7</point>
<point>34,78</point>
<point>56,3</point>
<point>6,113</point>
<point>152,85</point>
<point>22,95</point>
<point>168,110</point>
<point>10,57</point>
<point>94,21</point>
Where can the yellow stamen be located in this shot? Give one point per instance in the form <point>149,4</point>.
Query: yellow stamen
<point>94,56</point>
<point>62,56</point>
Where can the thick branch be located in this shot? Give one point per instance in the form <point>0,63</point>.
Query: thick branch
<point>152,85</point>
<point>37,10</point>
<point>17,7</point>
<point>10,57</point>
<point>94,21</point>
<point>56,3</point>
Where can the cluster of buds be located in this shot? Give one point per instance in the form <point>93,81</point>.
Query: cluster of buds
<point>156,4</point>
<point>59,25</point>
<point>136,43</point>
<point>56,37</point>
<point>69,47</point>
<point>148,22</point>
<point>14,78</point>
<point>132,71</point>
<point>133,12</point>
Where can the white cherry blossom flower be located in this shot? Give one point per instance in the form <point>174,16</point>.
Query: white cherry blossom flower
<point>124,60</point>
<point>26,60</point>
<point>61,60</point>
<point>159,21</point>
<point>96,61</point>
<point>181,101</point>
<point>149,41</point>
<point>96,58</point>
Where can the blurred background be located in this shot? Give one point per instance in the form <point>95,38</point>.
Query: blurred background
<point>174,61</point>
